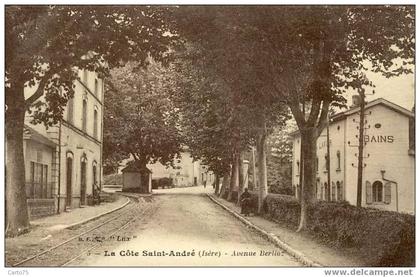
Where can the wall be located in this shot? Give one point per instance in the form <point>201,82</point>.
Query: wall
<point>40,153</point>
<point>75,141</point>
<point>387,148</point>
<point>182,176</point>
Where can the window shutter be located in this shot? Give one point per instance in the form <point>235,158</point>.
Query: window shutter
<point>387,199</point>
<point>333,192</point>
<point>368,192</point>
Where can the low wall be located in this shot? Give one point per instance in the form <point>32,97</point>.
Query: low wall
<point>41,207</point>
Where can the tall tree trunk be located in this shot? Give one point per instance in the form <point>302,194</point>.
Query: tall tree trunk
<point>254,173</point>
<point>308,137</point>
<point>262,169</point>
<point>217,184</point>
<point>234,177</point>
<point>17,219</point>
<point>225,184</point>
<point>240,175</point>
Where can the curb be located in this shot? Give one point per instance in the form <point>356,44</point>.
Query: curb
<point>271,237</point>
<point>97,216</point>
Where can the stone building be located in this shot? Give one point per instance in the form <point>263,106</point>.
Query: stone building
<point>389,162</point>
<point>187,172</point>
<point>71,151</point>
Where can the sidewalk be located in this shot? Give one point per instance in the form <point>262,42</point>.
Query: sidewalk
<point>300,245</point>
<point>77,216</point>
<point>49,231</point>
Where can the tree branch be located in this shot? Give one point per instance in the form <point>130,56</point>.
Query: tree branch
<point>297,113</point>
<point>322,123</point>
<point>313,115</point>
<point>40,90</point>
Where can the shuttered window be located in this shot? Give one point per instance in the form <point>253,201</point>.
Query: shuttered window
<point>325,191</point>
<point>368,192</point>
<point>70,110</point>
<point>95,124</point>
<point>38,187</point>
<point>340,191</point>
<point>338,160</point>
<point>388,192</point>
<point>297,167</point>
<point>84,115</point>
<point>333,187</point>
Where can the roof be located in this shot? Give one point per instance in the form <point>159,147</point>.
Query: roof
<point>378,101</point>
<point>135,166</point>
<point>353,110</point>
<point>38,137</point>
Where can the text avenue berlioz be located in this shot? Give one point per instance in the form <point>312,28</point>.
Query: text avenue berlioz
<point>190,253</point>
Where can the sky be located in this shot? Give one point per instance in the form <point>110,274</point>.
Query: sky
<point>399,90</point>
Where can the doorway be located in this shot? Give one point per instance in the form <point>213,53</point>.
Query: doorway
<point>69,172</point>
<point>83,183</point>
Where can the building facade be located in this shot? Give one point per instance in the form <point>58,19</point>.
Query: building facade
<point>389,161</point>
<point>75,167</point>
<point>187,172</point>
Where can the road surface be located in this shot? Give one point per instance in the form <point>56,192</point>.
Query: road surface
<point>184,228</point>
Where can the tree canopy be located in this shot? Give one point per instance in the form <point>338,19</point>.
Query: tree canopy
<point>140,118</point>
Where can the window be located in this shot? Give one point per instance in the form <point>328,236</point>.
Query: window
<point>70,110</point>
<point>326,161</point>
<point>340,191</point>
<point>338,160</point>
<point>325,191</point>
<point>96,86</point>
<point>297,168</point>
<point>37,187</point>
<point>317,164</point>
<point>318,190</point>
<point>84,115</point>
<point>95,124</point>
<point>85,77</point>
<point>333,188</point>
<point>377,191</point>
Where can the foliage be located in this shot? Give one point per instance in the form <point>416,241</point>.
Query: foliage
<point>113,180</point>
<point>304,56</point>
<point>383,238</point>
<point>279,160</point>
<point>201,101</point>
<point>140,120</point>
<point>45,45</point>
<point>228,107</point>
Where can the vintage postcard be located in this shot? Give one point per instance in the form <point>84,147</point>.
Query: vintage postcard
<point>210,136</point>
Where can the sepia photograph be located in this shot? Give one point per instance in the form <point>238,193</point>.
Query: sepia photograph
<point>146,135</point>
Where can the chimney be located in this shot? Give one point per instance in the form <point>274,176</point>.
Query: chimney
<point>355,101</point>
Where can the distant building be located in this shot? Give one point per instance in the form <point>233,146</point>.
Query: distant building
<point>136,178</point>
<point>65,160</point>
<point>388,175</point>
<point>187,172</point>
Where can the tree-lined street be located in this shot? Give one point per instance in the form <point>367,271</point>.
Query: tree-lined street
<point>234,98</point>
<point>186,219</point>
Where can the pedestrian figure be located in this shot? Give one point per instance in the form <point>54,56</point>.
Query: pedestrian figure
<point>245,202</point>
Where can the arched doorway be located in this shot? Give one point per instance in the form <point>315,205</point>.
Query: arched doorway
<point>95,187</point>
<point>83,162</point>
<point>69,179</point>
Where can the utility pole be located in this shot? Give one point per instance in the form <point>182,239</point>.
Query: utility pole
<point>328,161</point>
<point>254,175</point>
<point>361,146</point>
